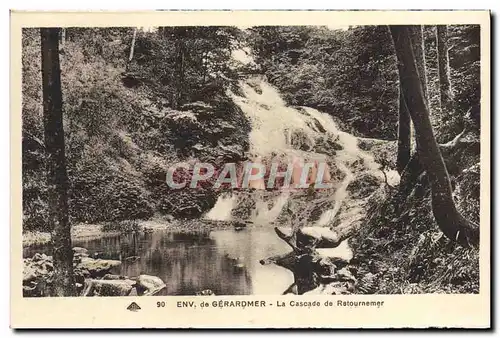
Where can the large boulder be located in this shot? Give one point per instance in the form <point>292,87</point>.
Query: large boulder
<point>96,268</point>
<point>82,252</point>
<point>37,275</point>
<point>320,237</point>
<point>39,266</point>
<point>103,287</point>
<point>149,285</point>
<point>343,252</point>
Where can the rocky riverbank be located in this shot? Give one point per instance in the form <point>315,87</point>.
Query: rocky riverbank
<point>93,277</point>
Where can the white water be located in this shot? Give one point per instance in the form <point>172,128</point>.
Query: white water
<point>222,208</point>
<point>264,215</point>
<point>273,123</point>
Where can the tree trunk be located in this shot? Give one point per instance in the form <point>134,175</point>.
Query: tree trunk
<point>444,69</point>
<point>449,220</point>
<point>132,45</point>
<point>417,41</point>
<point>57,178</point>
<point>404,134</point>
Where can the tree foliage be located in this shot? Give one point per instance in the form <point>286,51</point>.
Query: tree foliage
<point>351,74</point>
<point>117,115</point>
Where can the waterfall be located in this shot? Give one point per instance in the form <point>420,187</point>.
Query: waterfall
<point>264,215</point>
<point>221,211</point>
<point>304,133</point>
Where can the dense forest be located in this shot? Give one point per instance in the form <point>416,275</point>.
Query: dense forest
<point>134,101</point>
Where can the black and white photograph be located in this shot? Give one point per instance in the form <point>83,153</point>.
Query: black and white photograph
<point>251,160</point>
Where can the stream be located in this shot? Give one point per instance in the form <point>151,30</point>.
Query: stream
<point>224,261</point>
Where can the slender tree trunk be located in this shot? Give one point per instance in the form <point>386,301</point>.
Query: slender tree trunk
<point>56,164</point>
<point>444,69</point>
<point>404,134</point>
<point>132,45</point>
<point>417,41</point>
<point>405,127</point>
<point>449,220</point>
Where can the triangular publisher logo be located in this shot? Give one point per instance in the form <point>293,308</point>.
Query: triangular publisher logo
<point>133,307</point>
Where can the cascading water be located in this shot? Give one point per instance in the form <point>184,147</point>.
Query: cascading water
<point>276,128</point>
<point>222,208</point>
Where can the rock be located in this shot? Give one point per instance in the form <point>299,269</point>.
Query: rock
<point>283,232</point>
<point>335,288</point>
<point>39,266</point>
<point>38,271</point>
<point>29,274</point>
<point>80,274</point>
<point>197,107</point>
<point>101,287</point>
<point>114,277</point>
<point>149,285</point>
<point>320,237</point>
<point>238,226</point>
<point>97,267</point>
<point>206,292</point>
<point>325,268</point>
<point>82,252</point>
<point>343,252</point>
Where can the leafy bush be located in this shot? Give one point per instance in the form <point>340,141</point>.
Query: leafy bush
<point>102,196</point>
<point>119,136</point>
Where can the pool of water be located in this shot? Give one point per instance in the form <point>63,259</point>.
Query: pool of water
<point>225,261</point>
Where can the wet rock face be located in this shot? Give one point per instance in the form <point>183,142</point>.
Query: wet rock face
<point>216,133</point>
<point>188,203</point>
<point>300,140</point>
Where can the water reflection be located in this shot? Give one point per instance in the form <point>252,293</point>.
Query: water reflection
<point>226,262</point>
